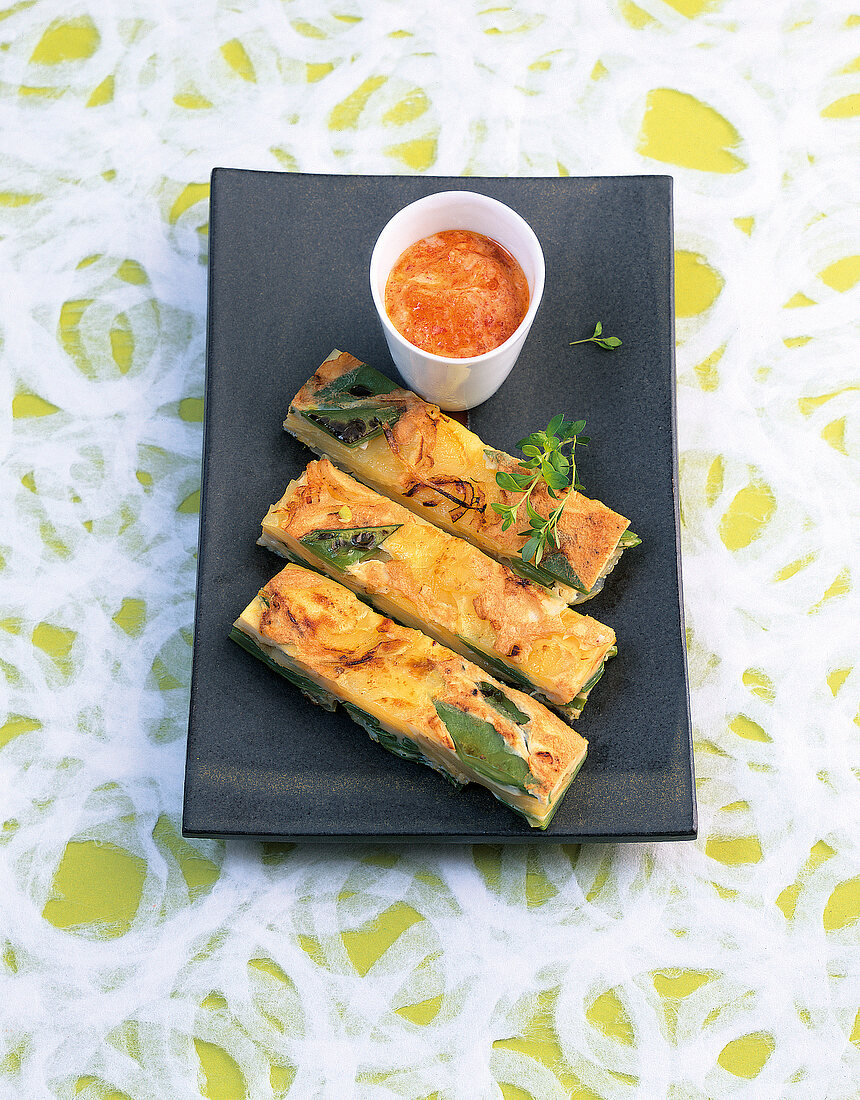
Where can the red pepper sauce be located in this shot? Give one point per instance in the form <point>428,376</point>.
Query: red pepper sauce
<point>456,294</point>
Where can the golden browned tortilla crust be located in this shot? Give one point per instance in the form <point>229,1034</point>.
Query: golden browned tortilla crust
<point>334,634</point>
<point>307,504</point>
<point>303,614</point>
<point>588,530</point>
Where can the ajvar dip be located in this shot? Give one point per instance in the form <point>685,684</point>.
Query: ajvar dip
<point>457,294</point>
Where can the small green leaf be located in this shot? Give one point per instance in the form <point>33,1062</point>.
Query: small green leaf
<point>560,568</point>
<point>535,518</point>
<point>536,439</point>
<point>502,703</point>
<point>346,546</point>
<point>556,480</point>
<point>606,342</point>
<point>482,747</point>
<point>506,481</point>
<point>555,423</point>
<point>361,381</point>
<point>355,424</point>
<point>530,549</point>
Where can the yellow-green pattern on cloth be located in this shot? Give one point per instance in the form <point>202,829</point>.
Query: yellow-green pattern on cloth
<point>137,964</point>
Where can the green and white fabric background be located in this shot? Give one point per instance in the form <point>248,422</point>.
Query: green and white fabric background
<point>139,966</point>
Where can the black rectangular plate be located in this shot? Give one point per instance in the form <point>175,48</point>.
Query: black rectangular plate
<point>288,282</point>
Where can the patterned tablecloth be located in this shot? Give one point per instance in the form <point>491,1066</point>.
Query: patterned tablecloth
<point>136,964</point>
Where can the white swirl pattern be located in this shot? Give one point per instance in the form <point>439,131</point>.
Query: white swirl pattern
<point>138,965</point>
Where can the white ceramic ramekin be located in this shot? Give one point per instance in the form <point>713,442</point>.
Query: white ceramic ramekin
<point>456,384</point>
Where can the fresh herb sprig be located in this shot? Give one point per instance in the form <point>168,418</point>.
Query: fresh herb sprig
<point>608,343</point>
<point>545,462</point>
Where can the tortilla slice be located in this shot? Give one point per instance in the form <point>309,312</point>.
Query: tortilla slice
<point>414,696</point>
<point>410,451</point>
<point>435,582</point>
